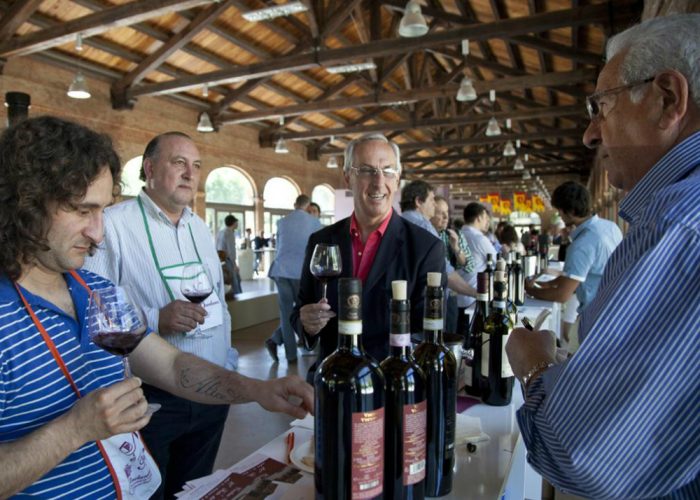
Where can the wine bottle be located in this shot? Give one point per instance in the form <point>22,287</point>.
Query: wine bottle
<point>518,281</point>
<point>490,269</point>
<point>349,399</point>
<point>510,305</point>
<point>440,368</point>
<point>476,328</point>
<point>495,368</point>
<point>406,407</point>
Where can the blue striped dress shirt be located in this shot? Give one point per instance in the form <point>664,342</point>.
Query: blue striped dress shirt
<point>621,419</point>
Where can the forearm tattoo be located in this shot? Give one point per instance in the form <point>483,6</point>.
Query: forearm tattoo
<point>214,386</point>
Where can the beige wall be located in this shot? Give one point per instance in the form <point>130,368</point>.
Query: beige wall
<point>131,129</point>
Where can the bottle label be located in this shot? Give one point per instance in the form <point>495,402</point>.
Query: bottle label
<point>485,337</point>
<point>482,297</point>
<point>350,327</point>
<point>467,372</point>
<point>415,418</point>
<point>367,454</point>
<point>433,324</point>
<point>506,369</point>
<point>400,340</point>
<point>499,304</point>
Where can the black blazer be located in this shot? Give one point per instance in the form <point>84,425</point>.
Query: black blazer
<point>406,252</point>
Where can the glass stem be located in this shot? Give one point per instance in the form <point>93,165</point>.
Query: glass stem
<point>325,287</point>
<point>127,368</point>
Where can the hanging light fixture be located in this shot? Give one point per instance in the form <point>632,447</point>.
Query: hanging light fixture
<point>509,123</point>
<point>517,143</point>
<point>79,89</point>
<point>526,175</point>
<point>204,124</point>
<point>79,42</point>
<point>466,90</point>
<point>493,129</point>
<point>509,150</point>
<point>332,162</point>
<point>518,165</point>
<point>413,23</point>
<point>281,146</point>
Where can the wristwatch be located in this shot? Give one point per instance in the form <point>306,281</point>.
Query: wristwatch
<point>536,370</point>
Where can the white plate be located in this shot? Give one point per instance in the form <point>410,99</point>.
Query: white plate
<point>298,453</point>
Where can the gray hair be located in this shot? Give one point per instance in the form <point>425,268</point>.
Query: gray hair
<point>350,150</point>
<point>661,43</point>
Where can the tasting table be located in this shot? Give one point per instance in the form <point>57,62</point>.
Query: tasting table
<point>496,469</point>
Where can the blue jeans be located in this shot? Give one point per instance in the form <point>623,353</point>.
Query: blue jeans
<point>288,290</point>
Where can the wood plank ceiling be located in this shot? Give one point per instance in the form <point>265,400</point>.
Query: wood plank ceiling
<point>540,56</point>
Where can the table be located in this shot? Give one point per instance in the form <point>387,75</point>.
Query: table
<point>496,470</point>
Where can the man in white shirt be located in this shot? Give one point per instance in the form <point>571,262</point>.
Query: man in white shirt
<point>226,247</point>
<point>148,240</point>
<point>476,223</point>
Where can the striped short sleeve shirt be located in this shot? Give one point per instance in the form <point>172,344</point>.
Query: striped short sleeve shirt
<point>34,391</point>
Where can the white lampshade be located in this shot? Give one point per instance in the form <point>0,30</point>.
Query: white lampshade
<point>509,150</point>
<point>204,124</point>
<point>281,146</point>
<point>493,129</point>
<point>526,175</point>
<point>332,162</point>
<point>413,23</point>
<point>78,89</point>
<point>466,90</point>
<point>518,165</point>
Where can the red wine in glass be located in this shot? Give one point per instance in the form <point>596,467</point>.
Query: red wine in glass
<point>195,297</point>
<point>117,324</point>
<point>196,286</point>
<point>118,343</point>
<point>325,264</point>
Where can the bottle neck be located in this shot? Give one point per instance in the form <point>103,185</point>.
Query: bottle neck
<point>349,335</point>
<point>398,348</point>
<point>433,336</point>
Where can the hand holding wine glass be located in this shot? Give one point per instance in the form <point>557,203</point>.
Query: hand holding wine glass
<point>325,264</point>
<point>117,324</point>
<point>196,285</point>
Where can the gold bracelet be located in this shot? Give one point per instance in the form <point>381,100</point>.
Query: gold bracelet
<point>534,372</point>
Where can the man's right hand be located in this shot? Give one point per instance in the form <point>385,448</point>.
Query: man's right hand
<point>111,410</point>
<point>180,316</point>
<point>314,317</point>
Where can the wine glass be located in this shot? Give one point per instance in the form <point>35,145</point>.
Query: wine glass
<point>117,324</point>
<point>325,264</point>
<point>196,286</point>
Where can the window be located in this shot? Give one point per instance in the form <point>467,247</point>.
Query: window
<point>325,197</point>
<point>131,184</point>
<point>229,191</point>
<point>279,195</point>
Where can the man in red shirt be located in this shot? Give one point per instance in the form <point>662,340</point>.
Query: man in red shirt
<point>376,245</point>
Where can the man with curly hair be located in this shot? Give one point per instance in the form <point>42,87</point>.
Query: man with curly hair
<point>66,414</point>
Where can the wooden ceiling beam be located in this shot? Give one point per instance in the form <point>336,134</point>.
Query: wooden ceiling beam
<point>489,170</point>
<point>391,98</point>
<point>205,17</point>
<point>16,15</point>
<point>517,26</point>
<point>491,154</point>
<point>339,16</point>
<point>94,24</point>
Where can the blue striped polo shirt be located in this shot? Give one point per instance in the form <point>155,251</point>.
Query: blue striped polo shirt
<point>34,391</point>
<point>621,419</point>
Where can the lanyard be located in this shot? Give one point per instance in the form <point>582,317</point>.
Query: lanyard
<point>47,339</point>
<point>64,369</point>
<point>163,278</point>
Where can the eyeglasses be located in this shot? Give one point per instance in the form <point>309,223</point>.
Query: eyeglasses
<point>366,172</point>
<point>593,101</point>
